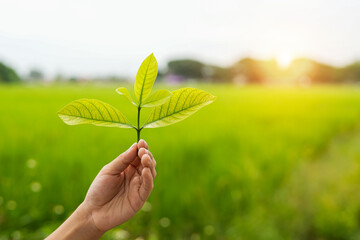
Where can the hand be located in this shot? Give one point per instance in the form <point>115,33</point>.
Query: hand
<point>117,193</point>
<point>121,187</point>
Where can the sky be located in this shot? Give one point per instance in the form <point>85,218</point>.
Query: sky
<point>111,37</point>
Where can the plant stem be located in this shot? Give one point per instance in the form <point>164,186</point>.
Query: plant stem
<point>138,125</point>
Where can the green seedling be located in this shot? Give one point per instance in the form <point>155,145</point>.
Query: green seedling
<point>169,107</point>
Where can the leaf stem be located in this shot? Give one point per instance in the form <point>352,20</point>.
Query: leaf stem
<point>138,124</point>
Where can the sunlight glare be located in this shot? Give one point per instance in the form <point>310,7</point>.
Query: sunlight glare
<point>284,60</point>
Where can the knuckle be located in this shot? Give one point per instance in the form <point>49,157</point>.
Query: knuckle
<point>142,151</point>
<point>145,156</point>
<point>148,152</point>
<point>149,160</point>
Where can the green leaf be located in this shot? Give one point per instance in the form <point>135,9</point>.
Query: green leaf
<point>123,91</point>
<point>182,104</point>
<point>145,78</point>
<point>92,111</point>
<point>157,98</point>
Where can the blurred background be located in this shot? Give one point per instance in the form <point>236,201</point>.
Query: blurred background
<point>276,156</point>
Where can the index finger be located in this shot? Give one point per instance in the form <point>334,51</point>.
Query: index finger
<point>143,144</point>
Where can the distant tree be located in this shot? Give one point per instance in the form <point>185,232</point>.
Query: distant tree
<point>8,75</point>
<point>323,73</point>
<point>352,72</point>
<point>186,68</point>
<point>253,71</point>
<point>218,74</point>
<point>192,69</point>
<point>161,75</point>
<point>317,72</point>
<point>74,79</point>
<point>36,74</point>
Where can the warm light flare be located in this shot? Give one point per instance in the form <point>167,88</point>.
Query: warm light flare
<point>284,60</point>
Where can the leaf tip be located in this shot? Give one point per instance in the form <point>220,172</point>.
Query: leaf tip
<point>118,90</point>
<point>153,57</point>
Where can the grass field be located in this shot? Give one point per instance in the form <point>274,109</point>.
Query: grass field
<point>259,163</point>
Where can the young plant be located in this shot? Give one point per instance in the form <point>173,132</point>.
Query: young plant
<point>169,107</point>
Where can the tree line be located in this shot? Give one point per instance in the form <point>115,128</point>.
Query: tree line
<point>253,71</point>
<point>245,71</point>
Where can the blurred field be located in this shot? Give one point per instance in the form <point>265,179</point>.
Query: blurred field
<point>259,163</point>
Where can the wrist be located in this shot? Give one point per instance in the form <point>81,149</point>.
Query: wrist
<point>84,214</point>
<point>79,226</point>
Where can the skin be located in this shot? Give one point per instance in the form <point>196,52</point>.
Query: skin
<point>116,194</point>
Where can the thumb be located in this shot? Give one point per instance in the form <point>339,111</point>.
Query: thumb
<point>120,163</point>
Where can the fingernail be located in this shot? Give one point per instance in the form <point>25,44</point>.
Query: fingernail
<point>132,146</point>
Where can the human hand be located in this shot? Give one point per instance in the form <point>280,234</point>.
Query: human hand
<point>116,194</point>
<point>121,187</point>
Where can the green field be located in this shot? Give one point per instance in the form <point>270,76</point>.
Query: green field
<point>258,163</point>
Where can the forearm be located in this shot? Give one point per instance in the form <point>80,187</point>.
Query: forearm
<point>79,226</point>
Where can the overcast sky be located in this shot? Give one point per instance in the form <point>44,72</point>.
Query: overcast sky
<point>86,37</point>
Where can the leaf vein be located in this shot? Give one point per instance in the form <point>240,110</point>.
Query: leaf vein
<point>85,108</point>
<point>97,120</point>
<point>185,109</point>
<point>76,109</point>
<point>106,110</point>
<point>96,108</point>
<point>142,87</point>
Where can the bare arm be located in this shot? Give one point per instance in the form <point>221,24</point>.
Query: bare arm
<point>116,194</point>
